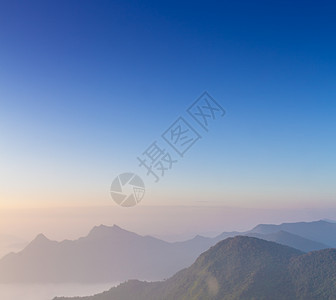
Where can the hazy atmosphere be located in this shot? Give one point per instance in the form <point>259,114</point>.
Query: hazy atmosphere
<point>166,128</point>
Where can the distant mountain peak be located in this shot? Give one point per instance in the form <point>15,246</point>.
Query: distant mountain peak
<point>104,230</point>
<point>41,238</point>
<point>199,237</point>
<point>39,242</point>
<point>103,227</point>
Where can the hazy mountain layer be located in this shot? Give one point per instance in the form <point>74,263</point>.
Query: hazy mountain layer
<point>319,231</point>
<point>110,254</point>
<point>241,268</point>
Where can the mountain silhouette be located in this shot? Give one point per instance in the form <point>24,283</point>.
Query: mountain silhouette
<point>111,254</point>
<point>106,254</point>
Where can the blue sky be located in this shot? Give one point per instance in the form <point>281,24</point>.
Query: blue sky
<point>86,86</point>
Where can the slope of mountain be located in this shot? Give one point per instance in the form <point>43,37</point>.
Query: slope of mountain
<point>9,243</point>
<point>319,231</point>
<point>241,268</point>
<point>291,240</point>
<point>305,236</point>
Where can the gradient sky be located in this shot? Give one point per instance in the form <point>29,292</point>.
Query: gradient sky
<point>87,86</point>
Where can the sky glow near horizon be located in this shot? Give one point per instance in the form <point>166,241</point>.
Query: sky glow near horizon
<point>86,88</point>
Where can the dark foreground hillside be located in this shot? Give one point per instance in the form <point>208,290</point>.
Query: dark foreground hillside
<point>241,268</point>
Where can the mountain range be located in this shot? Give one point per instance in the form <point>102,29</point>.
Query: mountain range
<point>112,254</point>
<point>10,243</point>
<point>243,268</point>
